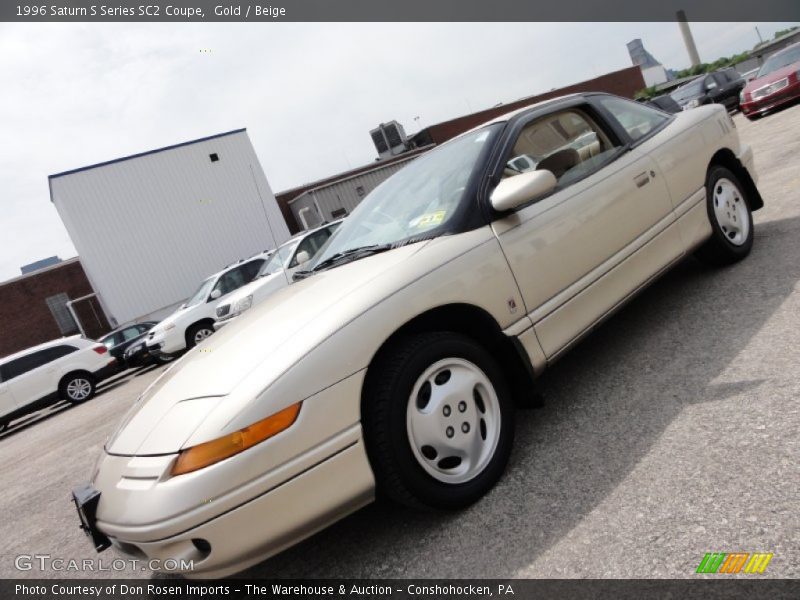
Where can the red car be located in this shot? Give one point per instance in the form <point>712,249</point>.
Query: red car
<point>777,82</point>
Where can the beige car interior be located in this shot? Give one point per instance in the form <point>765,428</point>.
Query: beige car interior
<point>561,143</point>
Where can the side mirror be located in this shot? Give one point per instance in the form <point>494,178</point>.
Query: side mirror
<point>303,257</point>
<point>521,189</point>
<point>215,293</point>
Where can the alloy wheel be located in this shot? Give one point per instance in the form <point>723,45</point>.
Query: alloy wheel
<point>79,389</point>
<point>202,334</point>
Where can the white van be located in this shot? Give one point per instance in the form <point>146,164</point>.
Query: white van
<point>275,273</point>
<point>194,320</point>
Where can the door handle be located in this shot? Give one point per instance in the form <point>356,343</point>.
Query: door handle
<point>642,179</point>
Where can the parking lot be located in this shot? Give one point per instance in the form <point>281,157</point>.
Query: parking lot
<point>672,431</point>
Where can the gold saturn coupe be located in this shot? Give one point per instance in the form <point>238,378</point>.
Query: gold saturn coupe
<point>395,359</point>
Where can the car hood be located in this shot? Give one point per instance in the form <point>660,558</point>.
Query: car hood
<point>178,401</point>
<point>755,84</point>
<point>170,319</point>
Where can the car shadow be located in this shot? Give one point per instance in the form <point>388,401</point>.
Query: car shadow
<point>22,423</point>
<point>606,404</point>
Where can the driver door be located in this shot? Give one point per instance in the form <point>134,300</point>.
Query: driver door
<point>579,251</point>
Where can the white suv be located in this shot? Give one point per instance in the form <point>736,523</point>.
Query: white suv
<point>66,369</point>
<point>276,273</point>
<point>194,320</point>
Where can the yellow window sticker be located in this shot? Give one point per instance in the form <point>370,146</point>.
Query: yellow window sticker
<point>430,219</point>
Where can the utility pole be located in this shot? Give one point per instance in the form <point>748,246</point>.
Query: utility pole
<point>760,39</point>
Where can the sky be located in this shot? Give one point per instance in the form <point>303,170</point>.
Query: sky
<point>78,94</point>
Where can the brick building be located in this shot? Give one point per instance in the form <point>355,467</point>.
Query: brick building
<point>33,307</point>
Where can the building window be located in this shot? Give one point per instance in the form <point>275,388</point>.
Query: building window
<point>338,213</point>
<point>214,157</point>
<point>58,308</point>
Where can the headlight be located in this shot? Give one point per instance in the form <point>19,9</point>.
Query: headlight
<point>693,103</point>
<point>203,455</point>
<point>741,96</point>
<point>243,304</point>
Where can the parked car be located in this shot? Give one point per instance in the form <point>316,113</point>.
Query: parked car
<point>65,369</point>
<point>276,273</point>
<point>397,363</point>
<point>720,87</point>
<point>120,339</point>
<point>777,83</point>
<point>194,320</point>
<point>137,355</point>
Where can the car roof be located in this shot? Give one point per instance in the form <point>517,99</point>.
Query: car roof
<point>128,326</point>
<point>261,255</point>
<point>44,346</point>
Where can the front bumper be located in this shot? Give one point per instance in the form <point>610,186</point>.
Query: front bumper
<point>757,107</point>
<point>166,342</point>
<point>244,509</point>
<point>261,527</point>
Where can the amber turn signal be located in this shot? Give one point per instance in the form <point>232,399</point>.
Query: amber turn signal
<point>208,453</point>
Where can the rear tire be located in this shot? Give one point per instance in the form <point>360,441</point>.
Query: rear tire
<point>77,388</point>
<point>438,421</point>
<point>731,219</point>
<point>197,333</point>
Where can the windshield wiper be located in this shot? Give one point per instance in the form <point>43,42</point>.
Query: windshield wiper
<point>343,257</point>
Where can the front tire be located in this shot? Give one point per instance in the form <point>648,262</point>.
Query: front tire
<point>77,388</point>
<point>731,219</point>
<point>438,421</point>
<point>197,333</point>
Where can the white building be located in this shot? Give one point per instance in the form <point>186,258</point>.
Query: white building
<point>149,227</point>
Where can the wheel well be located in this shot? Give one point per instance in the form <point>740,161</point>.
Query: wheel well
<point>726,158</point>
<point>476,323</point>
<point>209,322</point>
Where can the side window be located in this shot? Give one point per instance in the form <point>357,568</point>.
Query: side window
<point>232,280</point>
<point>32,361</point>
<point>250,269</point>
<point>112,340</point>
<point>568,143</point>
<point>130,333</point>
<point>710,83</point>
<point>638,120</point>
<point>311,244</point>
<point>143,328</point>
<point>721,79</point>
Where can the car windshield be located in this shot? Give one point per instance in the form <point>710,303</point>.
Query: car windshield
<point>417,201</point>
<point>275,264</point>
<point>687,92</point>
<point>778,61</point>
<point>201,293</point>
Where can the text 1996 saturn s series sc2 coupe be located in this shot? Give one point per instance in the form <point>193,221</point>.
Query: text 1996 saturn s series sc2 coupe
<point>395,361</point>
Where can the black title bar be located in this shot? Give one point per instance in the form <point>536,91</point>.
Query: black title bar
<point>398,10</point>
